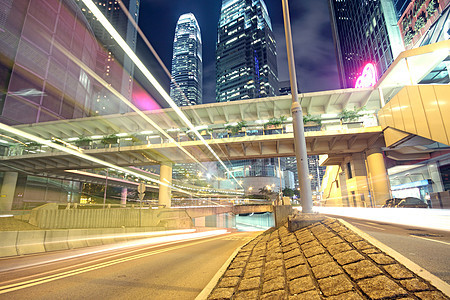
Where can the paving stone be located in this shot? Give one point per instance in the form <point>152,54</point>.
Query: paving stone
<point>274,264</point>
<point>431,295</point>
<point>252,273</point>
<point>240,259</point>
<point>249,284</point>
<point>362,269</point>
<point>371,250</point>
<point>234,272</point>
<point>325,236</point>
<point>305,237</point>
<point>319,229</point>
<point>338,248</point>
<point>361,245</point>
<point>273,256</point>
<point>348,257</point>
<point>246,295</point>
<point>332,241</point>
<point>290,247</point>
<point>228,282</point>
<point>326,270</point>
<point>335,285</point>
<point>256,258</point>
<point>237,264</point>
<point>351,237</point>
<point>310,295</point>
<point>319,259</point>
<point>288,241</point>
<point>382,259</point>
<point>277,295</point>
<point>313,251</point>
<point>273,273</point>
<point>296,272</point>
<point>273,285</point>
<point>295,261</point>
<point>347,296</point>
<point>292,253</point>
<point>381,287</point>
<point>221,293</point>
<point>414,285</point>
<point>398,272</point>
<point>310,244</point>
<point>300,285</point>
<point>255,264</point>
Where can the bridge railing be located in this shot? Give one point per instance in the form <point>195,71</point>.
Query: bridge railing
<point>333,123</point>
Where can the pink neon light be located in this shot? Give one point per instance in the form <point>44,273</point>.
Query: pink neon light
<point>368,77</point>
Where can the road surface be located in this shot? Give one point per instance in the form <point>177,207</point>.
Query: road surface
<point>176,270</point>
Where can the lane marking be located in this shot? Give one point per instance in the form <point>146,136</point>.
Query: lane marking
<point>419,237</point>
<point>379,228</point>
<point>21,285</point>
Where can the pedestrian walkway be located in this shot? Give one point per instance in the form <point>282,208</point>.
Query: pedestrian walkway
<point>325,260</point>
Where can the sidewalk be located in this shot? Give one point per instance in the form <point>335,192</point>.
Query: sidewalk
<point>323,261</point>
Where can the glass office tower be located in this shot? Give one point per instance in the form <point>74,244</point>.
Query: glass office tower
<point>246,65</point>
<point>364,32</point>
<point>187,64</point>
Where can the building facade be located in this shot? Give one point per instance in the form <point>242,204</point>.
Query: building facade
<point>246,65</point>
<point>113,65</point>
<point>187,62</point>
<point>39,82</point>
<point>364,32</point>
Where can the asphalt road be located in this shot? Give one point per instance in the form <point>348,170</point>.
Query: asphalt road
<point>171,271</point>
<point>428,248</point>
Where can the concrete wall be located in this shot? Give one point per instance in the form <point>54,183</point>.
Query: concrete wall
<point>37,241</point>
<point>109,218</point>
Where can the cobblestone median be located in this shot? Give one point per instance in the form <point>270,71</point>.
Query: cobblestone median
<point>323,261</point>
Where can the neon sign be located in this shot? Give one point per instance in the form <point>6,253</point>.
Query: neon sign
<point>368,77</point>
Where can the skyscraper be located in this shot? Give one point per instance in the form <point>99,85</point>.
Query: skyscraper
<point>363,32</point>
<point>246,65</point>
<point>187,63</point>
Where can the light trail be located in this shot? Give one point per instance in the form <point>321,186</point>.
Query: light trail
<point>39,140</point>
<point>64,274</point>
<point>121,42</point>
<point>438,219</point>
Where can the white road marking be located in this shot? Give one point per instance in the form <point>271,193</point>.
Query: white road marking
<point>419,237</point>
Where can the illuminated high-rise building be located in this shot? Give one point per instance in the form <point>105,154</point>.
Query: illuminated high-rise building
<point>246,65</point>
<point>187,65</point>
<point>364,32</point>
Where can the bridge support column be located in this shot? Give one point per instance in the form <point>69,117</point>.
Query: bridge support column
<point>8,190</point>
<point>165,197</point>
<point>378,176</point>
<point>123,196</point>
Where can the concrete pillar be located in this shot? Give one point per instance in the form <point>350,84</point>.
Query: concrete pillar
<point>435,175</point>
<point>165,176</point>
<point>123,196</point>
<point>8,190</point>
<point>378,176</point>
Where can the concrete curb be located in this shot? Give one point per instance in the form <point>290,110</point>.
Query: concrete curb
<point>413,267</point>
<point>210,286</point>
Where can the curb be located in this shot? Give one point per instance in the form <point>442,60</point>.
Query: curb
<point>415,268</point>
<point>210,286</point>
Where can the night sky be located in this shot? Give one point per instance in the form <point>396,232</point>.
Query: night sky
<point>313,46</point>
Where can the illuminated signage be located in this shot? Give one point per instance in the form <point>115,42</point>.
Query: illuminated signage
<point>368,77</point>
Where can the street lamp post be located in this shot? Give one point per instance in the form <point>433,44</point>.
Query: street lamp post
<point>297,119</point>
